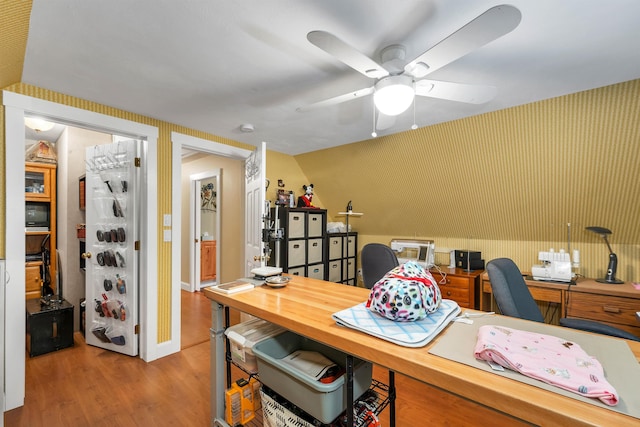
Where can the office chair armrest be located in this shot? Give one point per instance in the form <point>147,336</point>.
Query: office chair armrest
<point>597,327</point>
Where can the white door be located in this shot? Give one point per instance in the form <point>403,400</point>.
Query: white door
<point>112,264</point>
<point>255,208</point>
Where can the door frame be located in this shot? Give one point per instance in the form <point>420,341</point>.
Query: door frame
<point>194,224</point>
<point>180,141</point>
<point>16,105</point>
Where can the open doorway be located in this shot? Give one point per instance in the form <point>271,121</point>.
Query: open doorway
<point>201,159</point>
<point>16,108</point>
<point>204,201</point>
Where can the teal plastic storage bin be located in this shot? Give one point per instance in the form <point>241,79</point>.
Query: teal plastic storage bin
<point>322,401</point>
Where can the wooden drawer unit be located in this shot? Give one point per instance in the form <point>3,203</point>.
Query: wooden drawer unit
<point>33,280</point>
<point>614,310</point>
<point>455,288</point>
<point>459,285</point>
<point>587,299</point>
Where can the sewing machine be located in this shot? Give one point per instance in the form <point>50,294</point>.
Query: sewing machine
<point>556,266</point>
<point>419,251</point>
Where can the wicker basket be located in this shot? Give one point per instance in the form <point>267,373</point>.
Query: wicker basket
<point>276,415</point>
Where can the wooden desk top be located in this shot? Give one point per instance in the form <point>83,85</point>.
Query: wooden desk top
<point>583,284</point>
<point>305,307</point>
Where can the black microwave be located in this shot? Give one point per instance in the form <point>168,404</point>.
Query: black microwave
<point>36,215</point>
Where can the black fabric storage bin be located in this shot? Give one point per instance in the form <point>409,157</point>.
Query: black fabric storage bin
<point>49,328</point>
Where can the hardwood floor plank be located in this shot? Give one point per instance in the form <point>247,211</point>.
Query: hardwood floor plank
<point>89,386</point>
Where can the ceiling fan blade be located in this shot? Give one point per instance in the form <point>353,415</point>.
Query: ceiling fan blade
<point>471,94</point>
<point>384,121</point>
<point>347,54</point>
<point>337,99</point>
<point>487,27</point>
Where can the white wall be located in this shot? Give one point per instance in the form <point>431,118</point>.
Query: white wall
<point>71,148</point>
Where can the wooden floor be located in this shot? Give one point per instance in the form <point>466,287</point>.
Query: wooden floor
<point>88,386</point>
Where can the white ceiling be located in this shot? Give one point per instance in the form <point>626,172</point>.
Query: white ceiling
<point>214,65</point>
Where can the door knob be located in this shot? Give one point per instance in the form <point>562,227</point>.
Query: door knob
<point>86,255</point>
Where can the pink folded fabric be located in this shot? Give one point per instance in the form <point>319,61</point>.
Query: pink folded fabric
<point>547,358</point>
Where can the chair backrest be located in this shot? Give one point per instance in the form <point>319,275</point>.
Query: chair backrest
<point>511,292</point>
<point>377,260</point>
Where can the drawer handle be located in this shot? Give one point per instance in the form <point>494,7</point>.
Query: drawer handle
<point>609,309</point>
<point>448,293</point>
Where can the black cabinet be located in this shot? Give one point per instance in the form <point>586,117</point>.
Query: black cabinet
<point>49,327</point>
<point>302,250</point>
<point>342,249</point>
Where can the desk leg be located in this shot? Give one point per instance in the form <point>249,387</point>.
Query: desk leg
<point>349,390</point>
<point>392,399</point>
<point>217,365</point>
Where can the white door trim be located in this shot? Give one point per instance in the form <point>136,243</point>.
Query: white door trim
<point>180,141</point>
<point>16,105</point>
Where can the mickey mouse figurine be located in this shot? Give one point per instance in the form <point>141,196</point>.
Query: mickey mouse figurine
<point>304,201</point>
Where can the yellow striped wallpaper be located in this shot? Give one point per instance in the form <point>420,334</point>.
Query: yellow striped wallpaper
<point>14,22</point>
<point>163,185</point>
<point>506,182</point>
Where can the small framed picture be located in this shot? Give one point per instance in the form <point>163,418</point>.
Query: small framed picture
<point>284,197</point>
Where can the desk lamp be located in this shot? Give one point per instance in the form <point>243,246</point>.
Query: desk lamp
<point>613,259</point>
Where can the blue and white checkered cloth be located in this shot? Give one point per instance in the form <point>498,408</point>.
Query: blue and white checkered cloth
<point>409,334</point>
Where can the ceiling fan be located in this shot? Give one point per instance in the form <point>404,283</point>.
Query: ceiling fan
<point>398,81</point>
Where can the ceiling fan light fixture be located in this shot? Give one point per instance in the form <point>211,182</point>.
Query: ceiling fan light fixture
<point>418,70</point>
<point>39,125</point>
<point>394,95</point>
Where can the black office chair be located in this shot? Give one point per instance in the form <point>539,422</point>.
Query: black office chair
<point>377,260</point>
<point>514,299</point>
